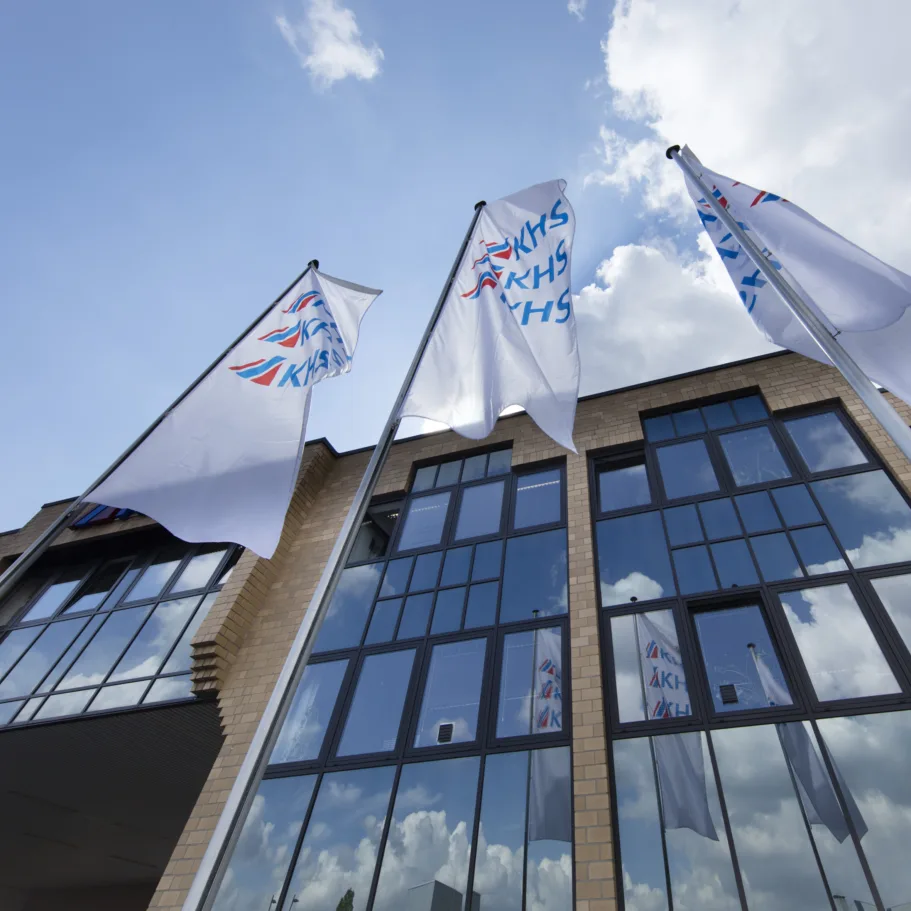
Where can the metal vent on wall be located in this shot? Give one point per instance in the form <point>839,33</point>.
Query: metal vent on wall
<point>728,693</point>
<point>444,735</point>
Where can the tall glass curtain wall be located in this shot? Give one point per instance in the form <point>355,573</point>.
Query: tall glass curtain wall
<point>425,759</point>
<point>110,634</point>
<point>755,582</point>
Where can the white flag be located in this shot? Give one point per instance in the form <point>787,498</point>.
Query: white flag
<point>507,331</point>
<point>547,706</point>
<point>222,466</point>
<point>663,680</point>
<point>858,297</point>
<point>550,799</point>
<point>681,777</point>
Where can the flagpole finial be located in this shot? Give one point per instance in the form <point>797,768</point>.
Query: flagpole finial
<point>751,645</point>
<point>480,204</point>
<point>313,264</point>
<point>670,152</point>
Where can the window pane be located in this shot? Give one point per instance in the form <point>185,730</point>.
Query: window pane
<point>719,416</point>
<point>824,442</point>
<point>660,428</point>
<point>181,656</point>
<point>531,658</point>
<point>168,689</point>
<point>101,653</point>
<point>54,595</point>
<point>487,560</point>
<point>632,560</point>
<point>64,704</point>
<point>448,473</point>
<point>302,734</point>
<point>482,605</point>
<point>480,510</point>
<point>474,468</point>
<point>156,575</point>
<point>757,512</point>
<point>424,521</point>
<point>535,576</point>
<point>687,422</point>
<point>452,694</point>
<point>753,456</point>
<point>15,644</point>
<point>749,408</point>
<point>455,566</point>
<point>796,505</point>
<point>149,649</point>
<point>335,866</point>
<point>538,499</point>
<point>40,658</point>
<point>199,571</point>
<point>266,843</point>
<point>395,582</point>
<point>841,655</point>
<point>415,616</point>
<point>895,594</point>
<point>376,531</point>
<point>349,608</point>
<point>719,519</point>
<point>96,589</point>
<point>382,623</point>
<point>376,710</point>
<point>683,525</point>
<point>621,488</point>
<point>118,697</point>
<point>694,570</point>
<point>776,558</point>
<point>818,550</point>
<point>500,462</point>
<point>427,854</point>
<point>870,517</point>
<point>424,478</point>
<point>686,469</point>
<point>726,637</point>
<point>426,571</point>
<point>9,709</point>
<point>647,665</point>
<point>447,614</point>
<point>75,649</point>
<point>732,560</point>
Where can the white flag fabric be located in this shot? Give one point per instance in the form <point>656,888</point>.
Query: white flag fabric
<point>547,707</point>
<point>857,296</point>
<point>223,464</point>
<point>663,680</point>
<point>681,777</point>
<point>507,331</point>
<point>550,800</point>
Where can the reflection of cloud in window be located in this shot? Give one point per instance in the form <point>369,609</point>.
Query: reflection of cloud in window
<point>893,546</point>
<point>343,794</point>
<point>642,897</point>
<point>636,585</point>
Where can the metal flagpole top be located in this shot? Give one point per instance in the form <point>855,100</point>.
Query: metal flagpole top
<point>313,264</point>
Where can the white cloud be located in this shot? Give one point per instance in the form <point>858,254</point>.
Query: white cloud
<point>328,44</point>
<point>577,8</point>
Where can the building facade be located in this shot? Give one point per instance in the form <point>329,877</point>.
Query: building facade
<point>669,671</point>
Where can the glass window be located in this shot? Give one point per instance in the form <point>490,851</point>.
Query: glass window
<point>753,456</point>
<point>757,512</point>
<point>796,505</point>
<point>686,469</point>
<point>373,536</point>
<point>428,852</point>
<point>424,521</point>
<point>776,557</point>
<point>535,578</point>
<point>395,582</point>
<point>382,623</point>
<point>52,598</point>
<point>632,560</point>
<point>683,525</point>
<point>337,859</point>
<point>96,589</point>
<point>532,663</point>
<point>447,613</point>
<point>169,689</point>
<point>376,709</point>
<point>304,729</point>
<point>452,694</point>
<point>824,442</point>
<point>500,462</point>
<point>349,607</point>
<point>455,566</point>
<point>623,487</point>
<point>474,468</point>
<point>869,516</point>
<point>40,658</point>
<point>424,478</point>
<point>118,697</point>
<point>415,616</point>
<point>265,846</point>
<point>818,550</point>
<point>487,559</point>
<point>15,644</point>
<point>480,510</point>
<point>449,473</point>
<point>749,408</point>
<point>839,651</point>
<point>732,560</point>
<point>659,428</point>
<point>64,704</point>
<point>482,605</point>
<point>181,656</point>
<point>719,416</point>
<point>694,570</point>
<point>740,660</point>
<point>538,500</point>
<point>719,519</point>
<point>649,679</point>
<point>156,575</point>
<point>687,422</point>
<point>199,571</point>
<point>70,655</point>
<point>895,594</point>
<point>426,571</point>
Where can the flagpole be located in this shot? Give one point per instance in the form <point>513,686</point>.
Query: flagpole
<point>887,416</point>
<point>27,558</point>
<point>208,877</point>
<point>534,687</point>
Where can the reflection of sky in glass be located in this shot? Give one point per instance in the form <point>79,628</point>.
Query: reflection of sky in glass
<point>757,512</point>
<point>348,609</point>
<point>115,697</point>
<point>535,576</point>
<point>431,830</point>
<point>455,566</point>
<point>180,657</point>
<point>694,570</point>
<point>447,612</point>
<point>841,655</point>
<point>480,510</point>
<point>537,499</point>
<point>396,579</point>
<point>682,525</point>
<point>514,703</point>
<point>383,621</point>
<point>169,688</point>
<point>818,550</point>
<point>424,520</point>
<point>340,846</point>
<point>97,587</point>
<point>734,565</point>
<point>482,605</point>
<point>156,575</point>
<point>776,557</point>
<point>753,456</point>
<point>12,647</point>
<point>895,594</point>
<point>426,570</point>
<point>621,488</point>
<point>719,519</point>
<point>796,505</point>
<point>633,560</point>
<point>686,469</point>
<point>199,570</point>
<point>415,616</point>
<point>487,559</point>
<point>54,595</point>
<point>260,860</point>
<point>39,659</point>
<point>823,442</point>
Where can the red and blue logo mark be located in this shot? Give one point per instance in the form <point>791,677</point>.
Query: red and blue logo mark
<point>486,270</point>
<point>261,372</point>
<point>286,336</point>
<point>305,300</point>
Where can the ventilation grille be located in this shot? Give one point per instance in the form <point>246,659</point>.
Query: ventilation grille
<point>728,693</point>
<point>444,735</point>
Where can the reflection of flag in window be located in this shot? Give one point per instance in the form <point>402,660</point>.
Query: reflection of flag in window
<point>548,695</point>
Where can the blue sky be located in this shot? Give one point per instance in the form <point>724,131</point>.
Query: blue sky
<point>168,168</point>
